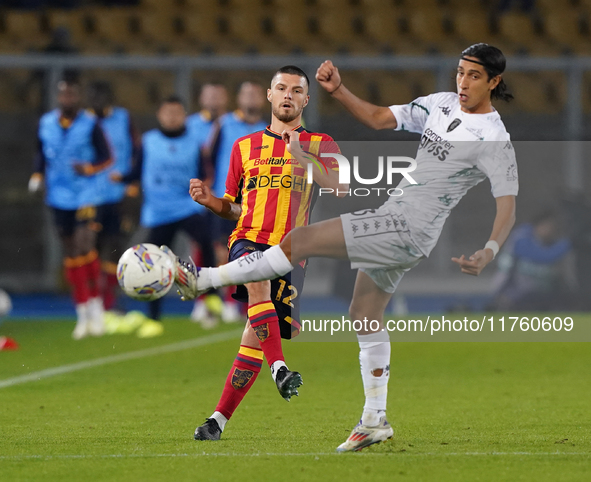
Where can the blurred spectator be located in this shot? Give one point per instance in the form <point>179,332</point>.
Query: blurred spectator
<point>229,127</point>
<point>169,157</point>
<point>533,268</point>
<point>124,140</point>
<point>213,101</point>
<point>72,149</point>
<point>60,42</point>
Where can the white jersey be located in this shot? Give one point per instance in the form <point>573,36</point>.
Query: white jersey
<point>457,151</point>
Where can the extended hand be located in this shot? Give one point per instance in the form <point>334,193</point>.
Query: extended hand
<point>328,76</point>
<point>200,192</point>
<point>116,176</point>
<point>475,263</point>
<point>83,169</point>
<point>36,182</point>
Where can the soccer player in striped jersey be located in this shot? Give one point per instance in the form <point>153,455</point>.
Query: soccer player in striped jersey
<point>267,194</point>
<point>72,150</point>
<point>248,118</point>
<point>463,142</point>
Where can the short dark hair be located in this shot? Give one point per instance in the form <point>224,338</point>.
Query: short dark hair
<point>70,79</point>
<point>293,70</point>
<point>101,87</point>
<point>173,99</point>
<point>544,215</point>
<point>494,63</point>
<point>252,82</point>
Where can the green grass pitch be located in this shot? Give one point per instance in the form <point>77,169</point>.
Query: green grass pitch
<point>461,411</point>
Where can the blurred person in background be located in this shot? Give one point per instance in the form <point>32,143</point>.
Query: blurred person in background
<point>72,149</point>
<point>168,157</point>
<point>245,120</point>
<point>124,141</point>
<point>213,101</point>
<point>535,270</point>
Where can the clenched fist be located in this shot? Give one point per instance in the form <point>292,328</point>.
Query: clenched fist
<point>200,192</point>
<point>328,76</point>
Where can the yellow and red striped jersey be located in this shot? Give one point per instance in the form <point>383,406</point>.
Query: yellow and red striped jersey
<point>276,196</point>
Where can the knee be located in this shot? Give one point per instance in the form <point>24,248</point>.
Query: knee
<point>258,292</point>
<point>355,311</point>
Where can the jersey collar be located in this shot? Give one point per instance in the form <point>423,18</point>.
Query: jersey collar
<point>276,135</point>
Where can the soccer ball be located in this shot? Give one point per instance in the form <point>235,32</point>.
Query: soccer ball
<point>145,272</point>
<point>5,303</point>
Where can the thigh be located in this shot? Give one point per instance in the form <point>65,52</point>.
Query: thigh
<point>379,238</point>
<point>369,300</point>
<point>108,217</point>
<point>162,234</point>
<point>65,222</point>
<point>198,228</point>
<point>84,239</point>
<point>286,294</point>
<point>324,239</point>
<point>85,230</point>
<point>285,291</point>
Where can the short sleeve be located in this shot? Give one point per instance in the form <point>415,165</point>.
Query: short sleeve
<point>234,173</point>
<point>497,161</point>
<point>329,146</point>
<point>412,117</point>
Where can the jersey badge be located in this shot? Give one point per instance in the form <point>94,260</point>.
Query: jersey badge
<point>455,123</point>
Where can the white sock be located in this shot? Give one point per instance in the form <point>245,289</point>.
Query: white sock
<point>82,313</point>
<point>257,266</point>
<point>220,419</point>
<point>275,368</point>
<point>374,358</point>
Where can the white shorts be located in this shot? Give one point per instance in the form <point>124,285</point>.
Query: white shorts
<point>379,243</point>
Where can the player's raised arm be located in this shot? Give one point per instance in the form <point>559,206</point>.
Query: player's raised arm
<point>371,115</point>
<point>222,207</point>
<point>504,221</point>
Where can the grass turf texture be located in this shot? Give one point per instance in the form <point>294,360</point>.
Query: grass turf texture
<point>461,411</point>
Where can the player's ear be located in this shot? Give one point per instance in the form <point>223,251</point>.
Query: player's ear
<point>306,100</point>
<point>496,80</point>
<point>269,95</point>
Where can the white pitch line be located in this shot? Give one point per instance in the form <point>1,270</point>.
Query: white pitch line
<point>132,355</point>
<point>274,454</point>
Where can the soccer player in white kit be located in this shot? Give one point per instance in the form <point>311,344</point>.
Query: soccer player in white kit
<point>463,142</point>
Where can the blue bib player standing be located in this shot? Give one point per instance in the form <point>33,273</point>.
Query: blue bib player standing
<point>72,151</point>
<point>124,140</point>
<point>168,158</point>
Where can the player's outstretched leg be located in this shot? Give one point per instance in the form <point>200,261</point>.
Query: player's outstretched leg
<point>243,373</point>
<point>193,281</point>
<point>325,238</point>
